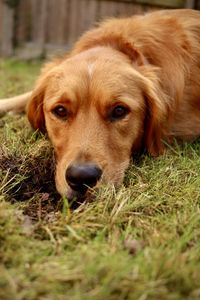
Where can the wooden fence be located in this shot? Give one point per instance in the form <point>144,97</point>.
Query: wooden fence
<point>33,28</point>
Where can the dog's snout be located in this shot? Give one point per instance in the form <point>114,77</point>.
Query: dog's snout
<point>81,176</point>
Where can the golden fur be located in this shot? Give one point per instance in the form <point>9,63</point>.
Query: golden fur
<point>148,64</point>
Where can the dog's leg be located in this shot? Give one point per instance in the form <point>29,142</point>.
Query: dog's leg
<point>15,104</point>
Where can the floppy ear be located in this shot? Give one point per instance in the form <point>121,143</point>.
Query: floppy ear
<point>156,118</point>
<point>34,108</point>
<point>35,112</point>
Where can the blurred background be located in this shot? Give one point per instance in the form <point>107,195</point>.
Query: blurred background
<point>39,28</point>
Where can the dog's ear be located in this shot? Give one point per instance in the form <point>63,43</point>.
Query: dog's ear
<point>99,37</point>
<point>157,112</point>
<point>35,112</point>
<point>34,108</point>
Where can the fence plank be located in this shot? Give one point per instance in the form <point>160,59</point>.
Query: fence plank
<point>107,9</point>
<point>7,26</point>
<point>129,9</point>
<point>1,19</point>
<point>39,21</point>
<point>164,3</point>
<point>88,14</point>
<point>32,37</point>
<point>57,29</point>
<point>56,21</point>
<point>23,23</point>
<point>74,17</point>
<point>190,3</point>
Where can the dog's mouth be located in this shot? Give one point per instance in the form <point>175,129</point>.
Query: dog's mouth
<point>76,198</point>
<point>76,195</point>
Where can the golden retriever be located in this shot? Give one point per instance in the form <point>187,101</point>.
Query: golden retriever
<point>126,86</point>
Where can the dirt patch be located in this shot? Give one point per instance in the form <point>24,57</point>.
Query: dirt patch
<point>30,179</point>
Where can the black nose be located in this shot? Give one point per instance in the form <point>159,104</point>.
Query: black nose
<point>81,176</point>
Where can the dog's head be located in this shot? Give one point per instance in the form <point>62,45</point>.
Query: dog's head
<point>98,107</point>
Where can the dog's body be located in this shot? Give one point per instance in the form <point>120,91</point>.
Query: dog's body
<point>126,86</point>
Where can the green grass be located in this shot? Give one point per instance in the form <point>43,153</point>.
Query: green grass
<point>50,251</point>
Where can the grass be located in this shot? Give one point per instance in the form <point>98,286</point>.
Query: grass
<point>140,242</point>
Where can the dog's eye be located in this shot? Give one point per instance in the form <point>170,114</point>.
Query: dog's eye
<point>118,113</point>
<point>60,111</point>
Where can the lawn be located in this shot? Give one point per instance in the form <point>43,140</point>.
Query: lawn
<point>140,242</point>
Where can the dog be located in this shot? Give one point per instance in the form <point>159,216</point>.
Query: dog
<point>127,85</point>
